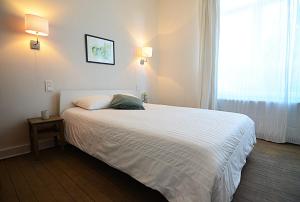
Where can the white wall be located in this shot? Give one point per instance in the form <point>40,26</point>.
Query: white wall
<point>169,26</point>
<point>130,23</point>
<point>178,43</point>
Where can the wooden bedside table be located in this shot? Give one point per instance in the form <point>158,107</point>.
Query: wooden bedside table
<point>38,127</point>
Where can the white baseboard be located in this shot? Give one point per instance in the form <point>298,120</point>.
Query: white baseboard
<point>24,149</point>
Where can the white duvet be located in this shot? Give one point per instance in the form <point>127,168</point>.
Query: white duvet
<point>187,154</point>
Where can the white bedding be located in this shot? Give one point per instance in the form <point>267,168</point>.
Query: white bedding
<point>187,154</point>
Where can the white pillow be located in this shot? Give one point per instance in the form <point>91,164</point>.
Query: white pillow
<point>94,102</point>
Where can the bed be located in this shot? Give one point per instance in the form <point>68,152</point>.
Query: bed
<point>186,154</point>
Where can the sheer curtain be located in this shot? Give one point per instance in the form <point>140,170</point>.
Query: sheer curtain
<point>209,11</point>
<point>259,65</point>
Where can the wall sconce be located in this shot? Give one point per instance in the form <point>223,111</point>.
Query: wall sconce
<point>146,53</point>
<point>38,26</point>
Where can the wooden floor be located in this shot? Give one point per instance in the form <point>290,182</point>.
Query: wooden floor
<point>272,173</point>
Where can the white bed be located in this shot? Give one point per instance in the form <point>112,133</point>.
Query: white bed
<point>187,154</point>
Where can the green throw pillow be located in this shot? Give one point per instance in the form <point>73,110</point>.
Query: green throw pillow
<point>120,101</point>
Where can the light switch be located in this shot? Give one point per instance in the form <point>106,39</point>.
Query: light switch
<point>49,86</point>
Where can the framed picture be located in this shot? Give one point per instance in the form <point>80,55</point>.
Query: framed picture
<point>99,50</point>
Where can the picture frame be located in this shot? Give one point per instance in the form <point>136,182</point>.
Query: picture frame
<point>99,50</point>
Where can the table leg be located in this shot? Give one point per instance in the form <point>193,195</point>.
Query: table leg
<point>55,141</point>
<point>62,135</point>
<point>31,138</point>
<point>35,142</point>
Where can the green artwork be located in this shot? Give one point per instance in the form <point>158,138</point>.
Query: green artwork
<point>99,50</point>
<point>102,51</point>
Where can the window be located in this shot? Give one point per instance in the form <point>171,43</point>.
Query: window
<point>259,50</point>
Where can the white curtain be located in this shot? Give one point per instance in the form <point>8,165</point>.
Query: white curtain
<point>209,11</point>
<point>259,65</point>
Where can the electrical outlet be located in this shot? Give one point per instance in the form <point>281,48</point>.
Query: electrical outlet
<point>49,86</point>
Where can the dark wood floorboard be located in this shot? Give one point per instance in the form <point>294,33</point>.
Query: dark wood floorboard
<point>7,189</point>
<point>35,184</point>
<point>60,174</point>
<point>272,174</point>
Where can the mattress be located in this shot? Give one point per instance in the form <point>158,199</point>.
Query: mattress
<point>186,154</point>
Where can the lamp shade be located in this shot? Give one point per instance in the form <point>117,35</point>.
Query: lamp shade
<point>147,52</point>
<point>36,25</point>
